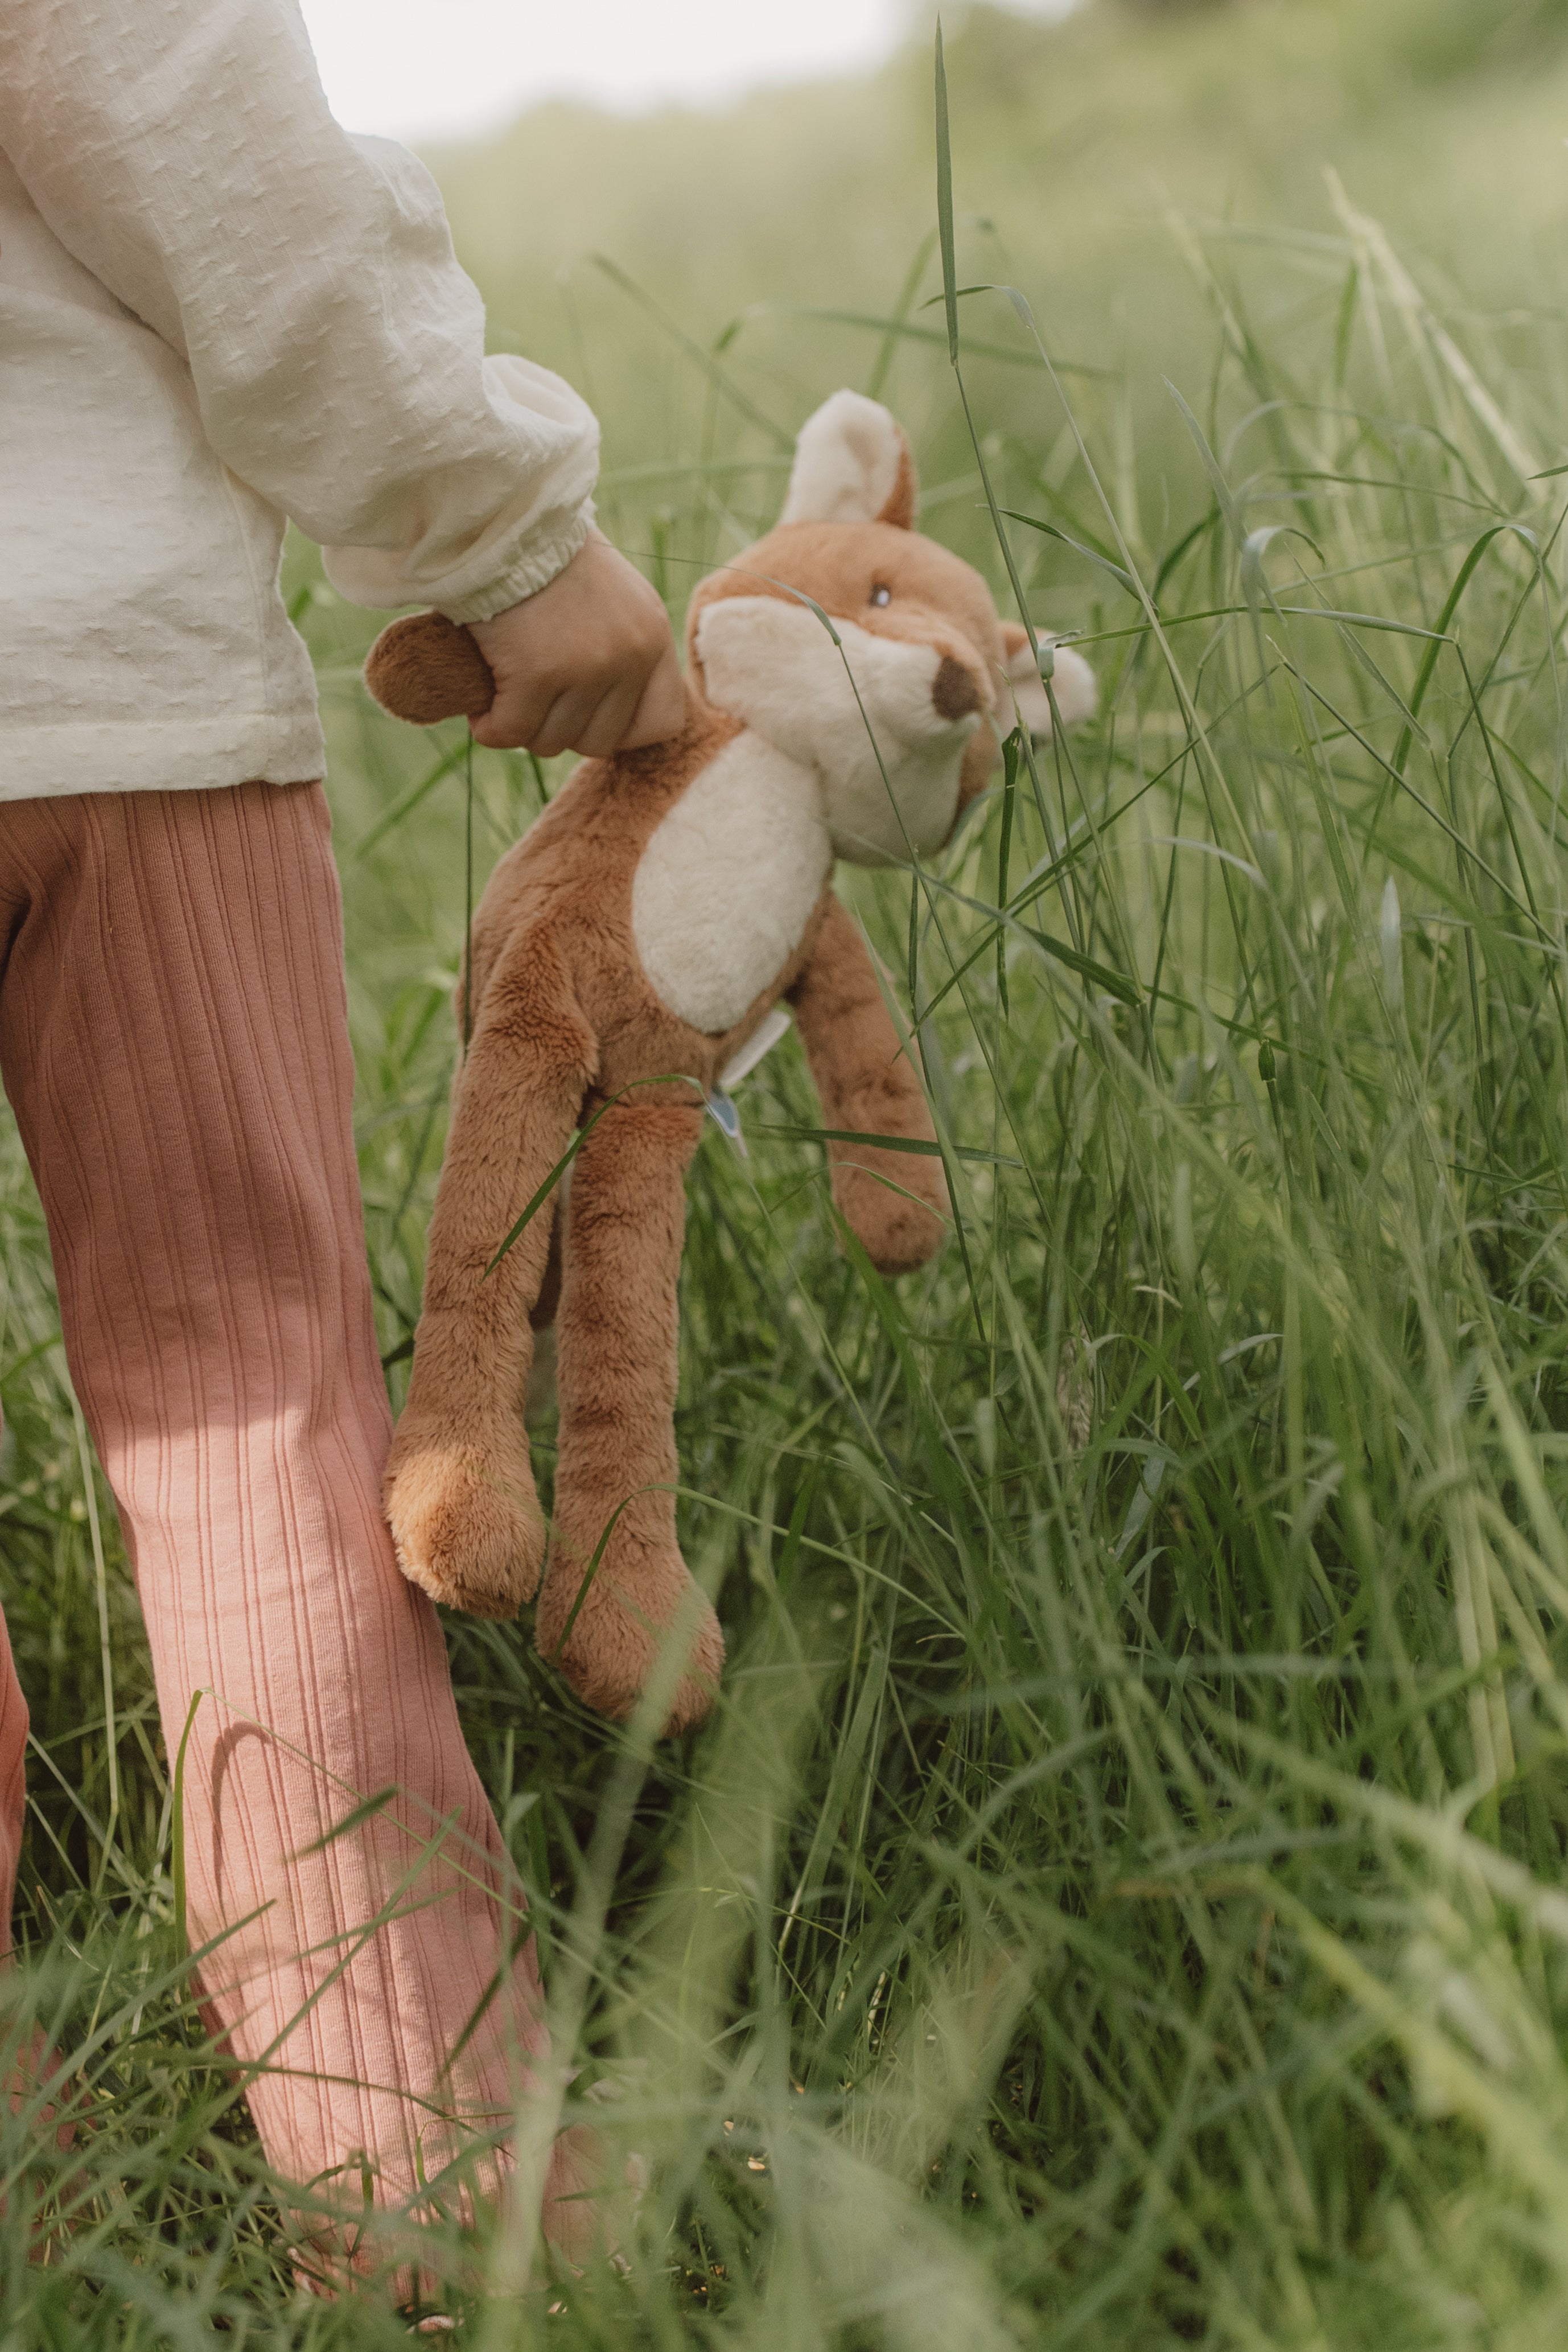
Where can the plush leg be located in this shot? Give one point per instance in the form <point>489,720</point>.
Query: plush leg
<point>174,1043</point>
<point>895,1202</point>
<point>616,1332</point>
<point>459,1491</point>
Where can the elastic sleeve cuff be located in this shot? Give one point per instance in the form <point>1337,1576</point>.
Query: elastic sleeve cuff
<point>532,569</point>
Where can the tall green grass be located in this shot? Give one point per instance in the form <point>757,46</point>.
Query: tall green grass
<point>1118,1900</point>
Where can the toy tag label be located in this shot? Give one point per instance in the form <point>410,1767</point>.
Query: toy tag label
<point>724,1111</point>
<point>762,1040</point>
<point>720,1102</point>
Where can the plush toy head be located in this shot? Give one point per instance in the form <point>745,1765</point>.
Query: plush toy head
<point>898,707</point>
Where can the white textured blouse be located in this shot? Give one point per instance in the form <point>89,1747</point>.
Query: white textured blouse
<point>218,311</point>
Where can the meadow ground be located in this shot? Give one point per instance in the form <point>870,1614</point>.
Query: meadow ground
<point>1119,1900</point>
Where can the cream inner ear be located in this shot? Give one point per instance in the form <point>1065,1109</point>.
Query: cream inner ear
<point>847,461</point>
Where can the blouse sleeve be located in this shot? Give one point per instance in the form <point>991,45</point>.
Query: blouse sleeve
<point>184,152</point>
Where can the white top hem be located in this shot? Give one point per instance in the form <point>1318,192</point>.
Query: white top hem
<point>171,756</point>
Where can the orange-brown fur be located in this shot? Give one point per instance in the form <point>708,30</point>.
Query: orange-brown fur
<point>568,1031</point>
<point>428,669</point>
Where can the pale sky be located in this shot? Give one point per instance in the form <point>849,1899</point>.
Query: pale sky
<point>416,70</point>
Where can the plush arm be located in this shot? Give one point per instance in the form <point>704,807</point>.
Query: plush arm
<point>895,1202</point>
<point>459,1492</point>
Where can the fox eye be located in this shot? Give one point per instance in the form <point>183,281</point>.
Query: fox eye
<point>882,595</point>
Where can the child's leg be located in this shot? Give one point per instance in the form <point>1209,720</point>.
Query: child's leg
<point>174,1043</point>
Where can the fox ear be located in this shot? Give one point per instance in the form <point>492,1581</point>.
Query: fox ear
<point>1020,691</point>
<point>853,463</point>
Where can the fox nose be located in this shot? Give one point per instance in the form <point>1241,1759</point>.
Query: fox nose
<point>953,690</point>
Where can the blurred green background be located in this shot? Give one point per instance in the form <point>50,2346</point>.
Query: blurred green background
<point>1073,145</point>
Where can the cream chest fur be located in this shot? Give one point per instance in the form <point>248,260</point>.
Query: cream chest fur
<point>728,881</point>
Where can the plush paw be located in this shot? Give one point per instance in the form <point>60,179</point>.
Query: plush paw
<point>466,1524</point>
<point>424,668</point>
<point>616,1637</point>
<point>899,1224</point>
<point>593,2189</point>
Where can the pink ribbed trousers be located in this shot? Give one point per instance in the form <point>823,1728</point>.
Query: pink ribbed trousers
<point>174,1041</point>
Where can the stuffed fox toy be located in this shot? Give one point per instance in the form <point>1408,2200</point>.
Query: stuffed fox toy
<point>648,922</point>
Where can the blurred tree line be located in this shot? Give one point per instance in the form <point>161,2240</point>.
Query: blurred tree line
<point>692,268</point>
<point>1445,36</point>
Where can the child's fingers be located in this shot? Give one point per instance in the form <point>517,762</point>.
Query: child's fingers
<point>542,711</point>
<point>639,709</point>
<point>593,721</point>
<point>660,713</point>
<point>606,730</point>
<point>596,714</point>
<point>588,716</point>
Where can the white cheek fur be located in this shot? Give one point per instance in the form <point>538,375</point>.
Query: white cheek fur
<point>773,665</point>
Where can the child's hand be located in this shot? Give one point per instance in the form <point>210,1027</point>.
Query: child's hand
<point>589,665</point>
